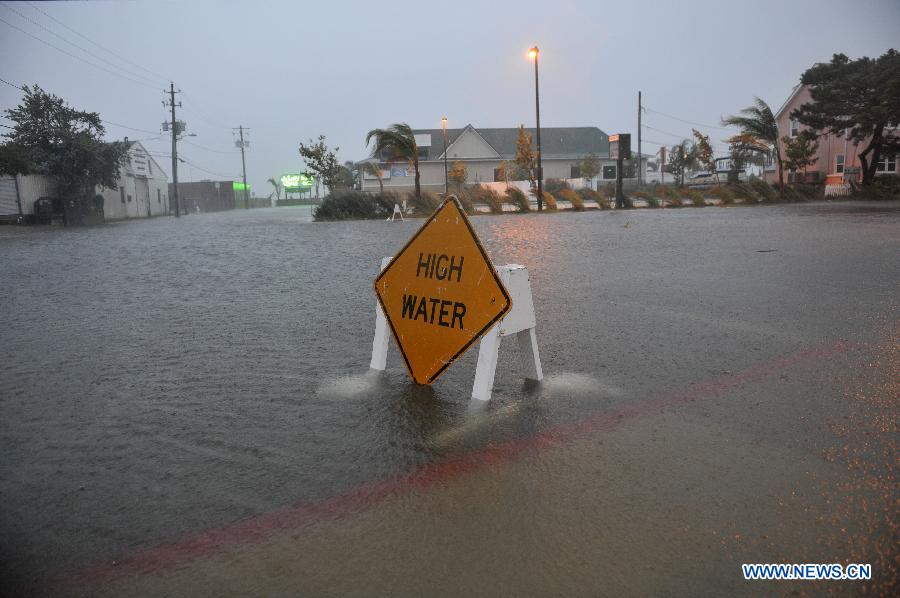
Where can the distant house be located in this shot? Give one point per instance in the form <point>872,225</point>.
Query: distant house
<point>836,155</point>
<point>483,150</point>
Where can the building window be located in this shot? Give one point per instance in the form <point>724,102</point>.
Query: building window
<point>839,163</point>
<point>886,164</point>
<point>158,196</point>
<point>122,193</point>
<point>795,127</point>
<point>575,171</point>
<point>129,199</point>
<point>423,153</point>
<point>609,172</point>
<point>499,175</point>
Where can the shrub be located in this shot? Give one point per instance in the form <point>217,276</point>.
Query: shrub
<point>350,205</point>
<point>550,202</point>
<point>810,191</point>
<point>744,191</point>
<point>384,202</point>
<point>763,189</point>
<point>591,195</point>
<point>425,205</point>
<point>466,201</point>
<point>789,193</point>
<point>572,197</point>
<point>555,186</point>
<point>515,195</point>
<point>723,194</point>
<point>487,196</point>
<point>695,197</point>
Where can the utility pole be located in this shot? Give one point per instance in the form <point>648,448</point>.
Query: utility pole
<point>640,165</point>
<point>175,132</point>
<point>244,167</point>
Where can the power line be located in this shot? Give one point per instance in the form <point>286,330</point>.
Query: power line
<point>117,55</point>
<point>75,56</point>
<point>209,149</point>
<point>12,84</point>
<point>71,43</point>
<point>690,122</point>
<point>109,122</point>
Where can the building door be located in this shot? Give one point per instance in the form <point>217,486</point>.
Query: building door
<point>9,199</point>
<point>142,196</point>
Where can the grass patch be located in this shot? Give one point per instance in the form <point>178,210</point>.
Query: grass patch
<point>764,190</point>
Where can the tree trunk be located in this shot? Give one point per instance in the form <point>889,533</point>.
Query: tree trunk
<point>418,188</point>
<point>780,167</point>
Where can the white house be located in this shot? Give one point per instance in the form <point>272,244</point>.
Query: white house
<point>482,151</point>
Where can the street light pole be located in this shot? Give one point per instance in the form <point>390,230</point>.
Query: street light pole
<point>444,130</point>
<point>534,52</point>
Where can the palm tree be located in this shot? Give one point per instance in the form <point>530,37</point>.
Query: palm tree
<point>399,141</point>
<point>375,170</point>
<point>277,187</point>
<point>759,122</point>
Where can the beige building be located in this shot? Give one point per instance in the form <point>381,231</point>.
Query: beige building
<point>482,151</point>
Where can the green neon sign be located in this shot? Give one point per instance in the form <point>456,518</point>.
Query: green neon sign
<point>297,182</point>
<point>239,186</point>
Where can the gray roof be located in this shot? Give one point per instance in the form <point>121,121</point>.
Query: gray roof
<point>556,142</point>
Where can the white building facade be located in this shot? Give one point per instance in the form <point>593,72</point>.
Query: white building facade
<point>483,150</point>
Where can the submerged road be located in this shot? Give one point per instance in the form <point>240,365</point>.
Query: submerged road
<point>185,410</point>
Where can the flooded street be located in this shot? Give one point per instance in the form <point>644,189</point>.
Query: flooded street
<point>186,409</point>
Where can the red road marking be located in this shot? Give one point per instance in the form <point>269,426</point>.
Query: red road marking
<point>260,527</point>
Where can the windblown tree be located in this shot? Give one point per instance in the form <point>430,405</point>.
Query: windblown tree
<point>277,187</point>
<point>458,174</point>
<point>590,166</point>
<point>800,151</point>
<point>526,158</point>
<point>704,152</point>
<point>682,156</point>
<point>397,142</point>
<point>745,149</point>
<point>375,170</point>
<point>52,138</point>
<point>758,122</point>
<point>860,99</point>
<point>322,161</point>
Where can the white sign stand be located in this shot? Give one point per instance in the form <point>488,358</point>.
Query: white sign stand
<point>397,212</point>
<point>520,321</point>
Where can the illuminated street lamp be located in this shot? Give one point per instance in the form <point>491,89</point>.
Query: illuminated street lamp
<point>444,130</point>
<point>533,54</point>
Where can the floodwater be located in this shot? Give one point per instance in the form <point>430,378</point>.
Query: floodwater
<point>185,409</point>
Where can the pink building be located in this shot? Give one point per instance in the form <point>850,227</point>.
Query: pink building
<point>836,155</point>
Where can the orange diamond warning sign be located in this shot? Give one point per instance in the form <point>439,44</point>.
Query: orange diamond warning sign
<point>440,293</point>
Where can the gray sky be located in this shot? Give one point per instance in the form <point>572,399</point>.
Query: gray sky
<point>292,70</point>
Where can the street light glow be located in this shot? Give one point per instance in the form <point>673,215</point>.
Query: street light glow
<point>444,122</point>
<point>533,53</point>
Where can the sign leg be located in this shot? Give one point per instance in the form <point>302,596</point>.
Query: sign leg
<point>382,334</point>
<point>488,352</point>
<point>531,357</point>
<point>380,344</point>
